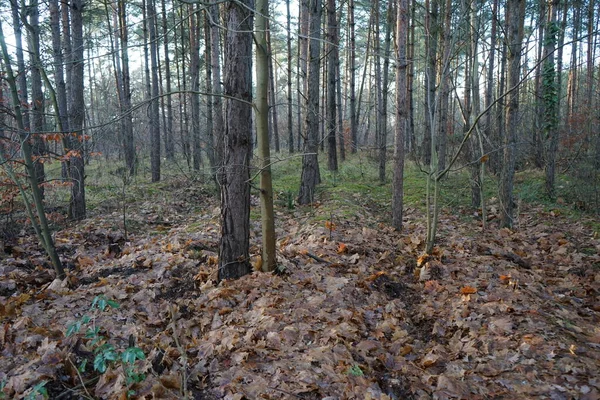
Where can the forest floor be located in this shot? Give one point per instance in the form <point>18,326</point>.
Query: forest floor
<point>355,312</point>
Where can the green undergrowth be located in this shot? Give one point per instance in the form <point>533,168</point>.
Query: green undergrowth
<point>349,193</point>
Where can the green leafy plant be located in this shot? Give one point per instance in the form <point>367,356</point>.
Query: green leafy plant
<point>106,354</point>
<point>355,371</point>
<point>39,389</point>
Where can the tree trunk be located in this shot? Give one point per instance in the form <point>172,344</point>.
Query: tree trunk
<point>516,19</point>
<point>272,94</point>
<point>168,134</point>
<point>432,29</point>
<point>263,61</point>
<point>302,75</point>
<point>42,230</point>
<point>401,112</point>
<point>77,114</point>
<point>125,91</point>
<point>310,163</point>
<point>195,85</point>
<point>235,188</point>
<point>37,95</point>
<point>217,101</point>
<point>332,56</point>
<point>489,91</point>
<point>353,120</point>
<point>384,91</point>
<point>290,108</point>
<point>550,93</point>
<point>209,84</point>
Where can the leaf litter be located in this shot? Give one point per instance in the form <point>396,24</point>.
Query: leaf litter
<point>356,312</point>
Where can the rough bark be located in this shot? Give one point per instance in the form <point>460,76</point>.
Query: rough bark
<point>194,73</point>
<point>332,56</point>
<point>310,163</point>
<point>263,63</point>
<point>516,18</point>
<point>217,102</point>
<point>290,108</point>
<point>235,188</point>
<point>168,134</point>
<point>77,209</point>
<point>402,108</point>
<point>352,59</point>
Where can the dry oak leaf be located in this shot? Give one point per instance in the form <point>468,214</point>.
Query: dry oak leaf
<point>468,290</point>
<point>342,248</point>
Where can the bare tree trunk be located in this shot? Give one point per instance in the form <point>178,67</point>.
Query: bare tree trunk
<point>410,137</point>
<point>290,123</point>
<point>235,186</point>
<point>310,163</point>
<point>401,112</point>
<point>263,61</point>
<point>384,90</point>
<point>209,84</point>
<point>217,102</point>
<point>302,75</point>
<point>353,116</point>
<point>37,95</point>
<point>195,85</point>
<point>538,139</point>
<point>77,114</point>
<point>332,56</point>
<point>338,88</point>
<point>489,91</point>
<point>516,19</point>
<point>272,94</point>
<point>182,88</point>
<point>168,134</point>
<point>125,91</point>
<point>42,230</point>
<point>431,28</point>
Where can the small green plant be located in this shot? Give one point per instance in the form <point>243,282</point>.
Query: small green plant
<point>106,354</point>
<point>39,389</point>
<point>355,371</point>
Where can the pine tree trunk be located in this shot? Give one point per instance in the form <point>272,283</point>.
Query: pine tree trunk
<point>290,108</point>
<point>516,18</point>
<point>217,102</point>
<point>77,114</point>
<point>263,66</point>
<point>352,57</point>
<point>310,163</point>
<point>401,113</point>
<point>168,134</point>
<point>333,55</point>
<point>235,187</point>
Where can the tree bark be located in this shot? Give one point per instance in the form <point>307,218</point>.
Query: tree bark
<point>332,56</point>
<point>516,18</point>
<point>217,102</point>
<point>168,134</point>
<point>77,114</point>
<point>402,109</point>
<point>310,163</point>
<point>269,261</point>
<point>235,188</point>
<point>195,85</point>
<point>550,95</point>
<point>42,230</point>
<point>352,59</point>
<point>290,108</point>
